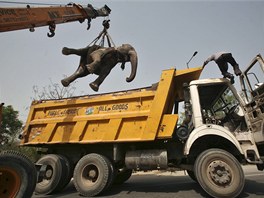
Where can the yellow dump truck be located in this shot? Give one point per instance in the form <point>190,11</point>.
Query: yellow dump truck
<point>99,139</point>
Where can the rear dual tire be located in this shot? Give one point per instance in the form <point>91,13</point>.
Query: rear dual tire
<point>93,174</point>
<point>57,175</point>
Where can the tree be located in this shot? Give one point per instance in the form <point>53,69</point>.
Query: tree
<point>53,91</point>
<point>11,126</point>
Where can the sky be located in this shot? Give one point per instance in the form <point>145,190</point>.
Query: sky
<point>165,35</point>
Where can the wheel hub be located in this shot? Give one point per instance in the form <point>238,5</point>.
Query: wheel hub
<point>92,174</point>
<point>48,174</point>
<point>10,182</point>
<point>220,173</point>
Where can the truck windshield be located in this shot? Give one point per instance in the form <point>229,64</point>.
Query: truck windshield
<point>225,102</point>
<point>217,101</point>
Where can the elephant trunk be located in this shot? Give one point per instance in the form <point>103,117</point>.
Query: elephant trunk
<point>134,61</point>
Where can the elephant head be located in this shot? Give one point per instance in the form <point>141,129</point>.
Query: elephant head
<point>128,53</point>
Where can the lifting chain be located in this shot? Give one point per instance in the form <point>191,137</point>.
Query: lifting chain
<point>104,34</point>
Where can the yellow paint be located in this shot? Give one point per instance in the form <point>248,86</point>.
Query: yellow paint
<point>135,115</point>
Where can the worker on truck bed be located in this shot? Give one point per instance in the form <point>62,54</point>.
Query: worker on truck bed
<point>222,59</point>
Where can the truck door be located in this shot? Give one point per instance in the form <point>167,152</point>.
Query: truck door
<point>252,84</point>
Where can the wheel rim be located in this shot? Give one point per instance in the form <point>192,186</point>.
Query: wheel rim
<point>10,182</point>
<point>220,173</point>
<point>90,175</point>
<point>47,177</point>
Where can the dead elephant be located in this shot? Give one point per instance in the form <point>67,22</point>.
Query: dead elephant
<point>100,61</point>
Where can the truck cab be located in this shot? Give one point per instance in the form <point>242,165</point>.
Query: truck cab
<point>218,110</point>
<point>222,121</point>
<point>252,84</point>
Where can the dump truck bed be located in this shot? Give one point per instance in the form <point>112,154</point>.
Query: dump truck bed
<point>143,114</point>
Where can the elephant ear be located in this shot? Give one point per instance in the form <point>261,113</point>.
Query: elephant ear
<point>134,61</point>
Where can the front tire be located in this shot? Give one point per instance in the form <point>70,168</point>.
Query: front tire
<point>191,175</point>
<point>219,173</point>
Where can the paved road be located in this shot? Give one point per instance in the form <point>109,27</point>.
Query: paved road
<point>169,185</point>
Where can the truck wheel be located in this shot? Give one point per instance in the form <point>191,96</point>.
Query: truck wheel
<point>122,176</point>
<point>219,173</point>
<point>18,175</point>
<point>54,177</point>
<point>191,175</point>
<point>92,175</point>
<point>68,167</point>
<point>112,174</point>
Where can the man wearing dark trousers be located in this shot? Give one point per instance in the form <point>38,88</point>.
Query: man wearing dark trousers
<point>222,59</point>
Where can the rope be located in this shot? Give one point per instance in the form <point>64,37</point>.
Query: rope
<point>102,35</point>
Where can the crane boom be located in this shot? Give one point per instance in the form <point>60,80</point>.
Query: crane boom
<point>23,18</point>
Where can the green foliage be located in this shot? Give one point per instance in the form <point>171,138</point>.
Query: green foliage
<point>181,118</point>
<point>11,126</point>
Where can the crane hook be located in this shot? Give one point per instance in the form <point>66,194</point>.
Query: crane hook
<point>52,28</point>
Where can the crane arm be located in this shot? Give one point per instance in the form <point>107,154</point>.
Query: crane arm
<point>23,18</point>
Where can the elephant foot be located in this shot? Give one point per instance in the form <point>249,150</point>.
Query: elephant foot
<point>94,86</point>
<point>65,51</point>
<point>65,83</point>
<point>90,69</point>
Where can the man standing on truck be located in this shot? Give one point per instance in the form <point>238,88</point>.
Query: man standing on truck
<point>222,59</point>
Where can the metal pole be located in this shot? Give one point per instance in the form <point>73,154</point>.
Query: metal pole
<point>194,54</point>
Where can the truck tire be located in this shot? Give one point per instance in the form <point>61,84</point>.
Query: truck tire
<point>112,174</point>
<point>92,175</point>
<point>191,175</point>
<point>122,176</point>
<point>54,177</point>
<point>67,175</point>
<point>18,175</point>
<point>219,173</point>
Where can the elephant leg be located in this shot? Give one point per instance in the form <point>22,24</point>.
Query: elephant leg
<point>79,52</point>
<point>103,74</point>
<point>79,73</point>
